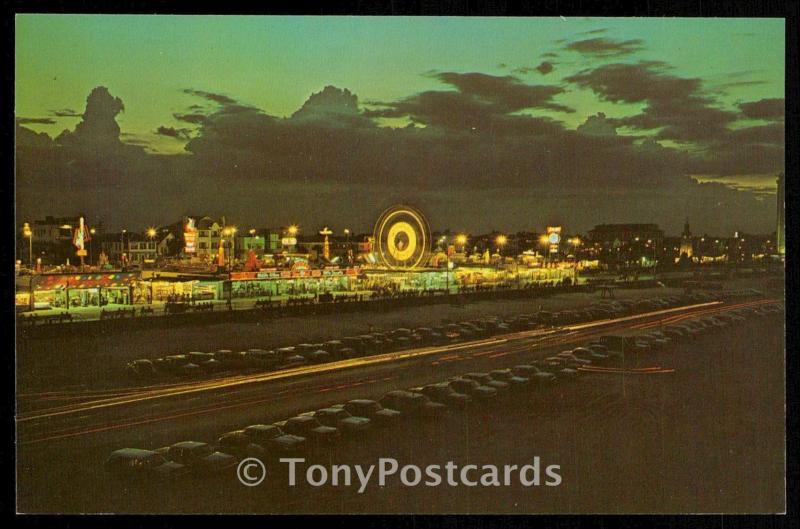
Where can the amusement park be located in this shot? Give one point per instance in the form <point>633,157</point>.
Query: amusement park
<point>204,261</point>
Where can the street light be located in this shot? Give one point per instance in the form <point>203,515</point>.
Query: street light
<point>292,230</point>
<point>231,232</point>
<point>122,246</point>
<point>92,231</point>
<point>501,241</point>
<point>27,232</point>
<point>461,240</point>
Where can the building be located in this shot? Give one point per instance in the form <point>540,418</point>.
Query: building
<point>687,245</point>
<point>625,233</point>
<point>141,249</point>
<point>209,235</point>
<point>126,248</point>
<point>780,232</point>
<point>51,240</point>
<point>627,245</point>
<point>55,229</point>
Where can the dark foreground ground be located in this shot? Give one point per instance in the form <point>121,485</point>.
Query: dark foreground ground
<point>708,438</point>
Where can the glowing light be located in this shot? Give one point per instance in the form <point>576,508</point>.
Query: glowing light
<point>461,239</point>
<point>26,230</point>
<point>151,232</point>
<point>292,230</point>
<point>501,240</point>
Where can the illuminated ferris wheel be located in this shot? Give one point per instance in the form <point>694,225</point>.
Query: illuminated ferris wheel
<point>402,238</point>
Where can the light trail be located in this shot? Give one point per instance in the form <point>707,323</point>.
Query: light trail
<point>576,333</point>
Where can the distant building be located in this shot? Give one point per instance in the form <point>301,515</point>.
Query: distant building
<point>209,235</point>
<point>780,232</point>
<point>141,249</point>
<point>54,229</point>
<point>626,233</point>
<point>626,245</point>
<point>687,245</point>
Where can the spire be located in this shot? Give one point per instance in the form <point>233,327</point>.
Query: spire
<point>686,231</point>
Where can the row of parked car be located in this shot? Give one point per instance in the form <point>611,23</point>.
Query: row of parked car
<point>326,427</point>
<point>196,364</point>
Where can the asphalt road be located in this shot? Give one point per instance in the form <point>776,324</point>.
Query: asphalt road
<point>61,445</point>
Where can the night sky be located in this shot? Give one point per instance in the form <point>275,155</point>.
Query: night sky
<point>499,123</point>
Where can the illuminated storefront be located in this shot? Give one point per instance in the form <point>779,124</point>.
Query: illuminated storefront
<point>85,290</point>
<point>273,282</point>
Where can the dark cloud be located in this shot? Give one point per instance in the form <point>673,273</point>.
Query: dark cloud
<point>550,54</point>
<point>604,47</point>
<point>771,109</point>
<point>545,67</point>
<point>99,124</point>
<point>508,93</point>
<point>676,107</point>
<point>594,31</point>
<point>66,113</point>
<point>734,84</point>
<point>194,118</point>
<point>172,132</point>
<point>479,156</point>
<point>37,121</point>
<point>216,98</point>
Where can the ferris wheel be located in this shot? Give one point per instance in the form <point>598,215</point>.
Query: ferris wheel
<point>402,238</point>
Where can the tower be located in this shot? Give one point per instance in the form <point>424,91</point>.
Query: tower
<point>687,247</point>
<point>780,232</point>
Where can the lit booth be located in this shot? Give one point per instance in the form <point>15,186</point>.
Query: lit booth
<point>85,290</point>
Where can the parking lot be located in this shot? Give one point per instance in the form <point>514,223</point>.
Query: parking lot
<point>625,442</point>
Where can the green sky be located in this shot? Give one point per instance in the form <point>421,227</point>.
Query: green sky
<point>275,63</point>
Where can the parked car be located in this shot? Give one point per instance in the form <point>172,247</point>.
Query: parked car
<point>487,380</point>
<point>412,404</point>
<point>341,419</point>
<point>574,361</point>
<point>273,439</point>
<point>142,368</point>
<point>317,356</point>
<point>261,359</point>
<point>240,445</point>
<point>135,463</point>
<point>588,354</point>
<point>309,427</point>
<point>199,457</point>
<point>474,389</point>
<point>557,366</point>
<point>187,370</point>
<point>372,410</point>
<point>514,381</point>
<point>289,358</point>
<point>430,336</point>
<point>444,394</point>
<point>537,377</point>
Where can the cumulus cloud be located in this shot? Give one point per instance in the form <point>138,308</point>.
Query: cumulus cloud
<point>480,154</point>
<point>603,47</point>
